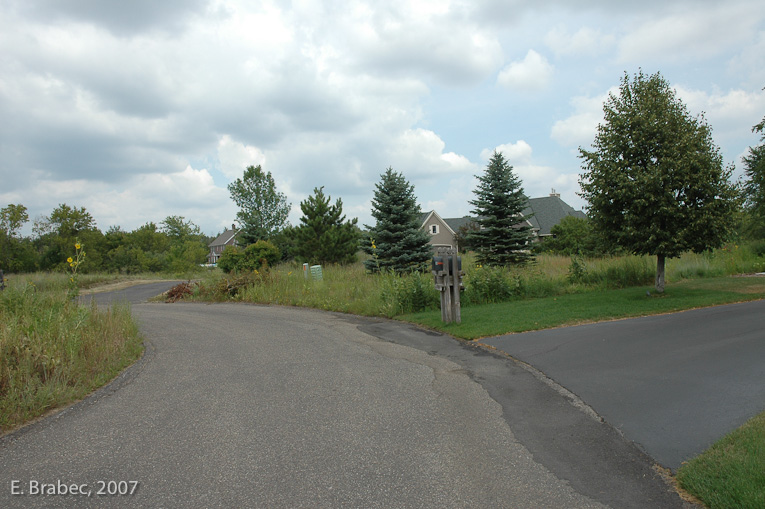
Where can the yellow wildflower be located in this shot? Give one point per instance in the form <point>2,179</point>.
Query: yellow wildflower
<point>77,246</point>
<point>69,260</point>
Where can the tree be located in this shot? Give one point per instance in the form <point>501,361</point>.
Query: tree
<point>58,233</point>
<point>67,222</point>
<point>16,254</point>
<point>573,235</point>
<point>654,180</point>
<point>263,211</point>
<point>324,235</point>
<point>754,187</point>
<point>12,218</point>
<point>503,237</point>
<point>397,242</point>
<point>180,230</point>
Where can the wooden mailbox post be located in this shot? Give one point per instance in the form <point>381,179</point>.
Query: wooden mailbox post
<point>447,270</point>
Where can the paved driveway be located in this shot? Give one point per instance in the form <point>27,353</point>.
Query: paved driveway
<point>673,384</point>
<point>251,406</point>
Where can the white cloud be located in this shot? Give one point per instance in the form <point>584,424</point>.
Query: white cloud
<point>515,153</point>
<point>234,157</point>
<point>735,109</point>
<point>579,129</point>
<point>421,153</point>
<point>107,109</point>
<point>532,73</point>
<point>686,32</point>
<point>584,42</point>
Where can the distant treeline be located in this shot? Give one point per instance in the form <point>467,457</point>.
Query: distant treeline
<point>173,245</point>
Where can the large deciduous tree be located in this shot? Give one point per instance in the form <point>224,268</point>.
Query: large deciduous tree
<point>324,235</point>
<point>654,179</point>
<point>754,187</point>
<point>397,240</point>
<point>264,210</point>
<point>503,237</point>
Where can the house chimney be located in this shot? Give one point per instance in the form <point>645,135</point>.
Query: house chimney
<point>233,227</point>
<point>554,194</point>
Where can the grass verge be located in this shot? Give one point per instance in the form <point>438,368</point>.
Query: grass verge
<point>730,474</point>
<point>54,352</point>
<point>571,309</point>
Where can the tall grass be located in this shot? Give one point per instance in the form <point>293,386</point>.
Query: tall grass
<point>54,351</point>
<point>351,289</point>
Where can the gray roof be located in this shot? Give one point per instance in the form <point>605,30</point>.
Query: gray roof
<point>224,238</point>
<point>548,211</point>
<point>455,223</point>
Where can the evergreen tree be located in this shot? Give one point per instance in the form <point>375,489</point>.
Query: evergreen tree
<point>264,210</point>
<point>324,235</point>
<point>654,179</point>
<point>396,241</point>
<point>503,236</point>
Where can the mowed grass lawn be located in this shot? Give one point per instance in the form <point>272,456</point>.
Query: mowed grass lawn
<point>591,306</point>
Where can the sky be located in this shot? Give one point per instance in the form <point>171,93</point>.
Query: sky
<point>141,110</point>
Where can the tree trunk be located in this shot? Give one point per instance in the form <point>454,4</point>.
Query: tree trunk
<point>660,273</point>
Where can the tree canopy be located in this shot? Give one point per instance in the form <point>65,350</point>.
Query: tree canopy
<point>263,210</point>
<point>654,179</point>
<point>324,235</point>
<point>397,242</point>
<point>503,236</point>
<point>754,186</point>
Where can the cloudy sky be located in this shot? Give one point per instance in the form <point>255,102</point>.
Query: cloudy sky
<point>143,109</point>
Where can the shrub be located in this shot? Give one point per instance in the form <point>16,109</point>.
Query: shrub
<point>260,255</point>
<point>257,256</point>
<point>230,259</point>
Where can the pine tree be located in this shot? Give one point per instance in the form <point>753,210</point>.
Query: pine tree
<point>396,241</point>
<point>324,235</point>
<point>503,237</point>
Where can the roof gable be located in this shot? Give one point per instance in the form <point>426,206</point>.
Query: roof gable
<point>433,215</point>
<point>224,238</point>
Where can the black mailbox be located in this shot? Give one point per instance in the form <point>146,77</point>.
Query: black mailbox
<point>438,264</point>
<point>451,264</point>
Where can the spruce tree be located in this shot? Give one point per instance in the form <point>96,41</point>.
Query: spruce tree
<point>503,237</point>
<point>396,241</point>
<point>324,235</point>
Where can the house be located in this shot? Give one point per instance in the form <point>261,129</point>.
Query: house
<point>227,238</point>
<point>547,212</point>
<point>544,213</point>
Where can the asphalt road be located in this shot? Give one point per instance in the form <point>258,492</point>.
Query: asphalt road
<point>250,406</point>
<point>674,384</point>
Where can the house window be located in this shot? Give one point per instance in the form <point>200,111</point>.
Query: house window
<point>434,229</point>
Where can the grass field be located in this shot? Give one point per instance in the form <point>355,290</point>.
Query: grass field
<point>54,351</point>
